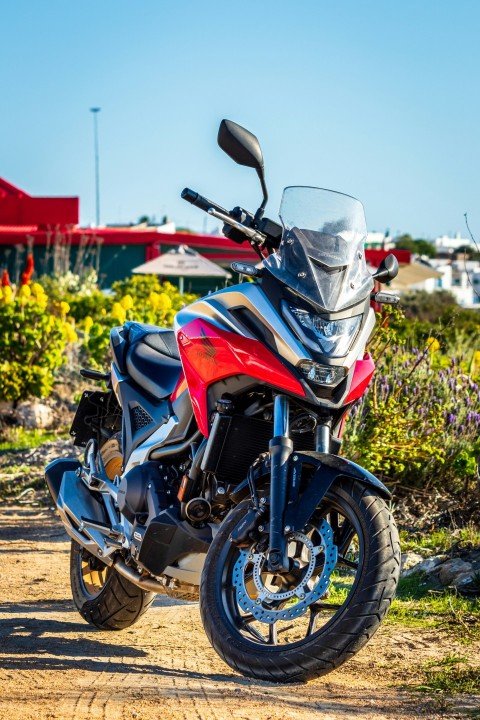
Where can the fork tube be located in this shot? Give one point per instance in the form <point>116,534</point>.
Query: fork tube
<point>281,448</point>
<point>323,436</point>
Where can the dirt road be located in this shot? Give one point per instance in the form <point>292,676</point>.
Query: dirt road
<point>53,665</point>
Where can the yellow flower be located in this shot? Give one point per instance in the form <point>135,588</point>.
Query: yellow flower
<point>70,333</point>
<point>87,324</point>
<point>7,294</point>
<point>127,302</point>
<point>42,301</point>
<point>164,303</point>
<point>154,299</point>
<point>24,292</point>
<point>64,307</point>
<point>37,290</point>
<point>475,366</point>
<point>433,345</point>
<point>118,313</point>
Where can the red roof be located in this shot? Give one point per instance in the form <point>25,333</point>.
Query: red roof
<point>22,215</point>
<point>18,208</point>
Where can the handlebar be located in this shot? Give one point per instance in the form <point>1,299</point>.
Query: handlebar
<point>239,224</point>
<point>201,202</point>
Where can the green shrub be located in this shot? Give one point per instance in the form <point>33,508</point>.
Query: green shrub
<point>418,424</point>
<point>34,335</point>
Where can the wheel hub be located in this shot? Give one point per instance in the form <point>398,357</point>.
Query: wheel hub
<point>307,589</point>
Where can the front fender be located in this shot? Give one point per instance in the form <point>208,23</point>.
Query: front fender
<point>347,468</point>
<point>328,469</point>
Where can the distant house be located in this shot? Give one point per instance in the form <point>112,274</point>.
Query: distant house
<point>459,277</point>
<point>446,245</point>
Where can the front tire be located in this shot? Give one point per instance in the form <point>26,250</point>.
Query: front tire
<point>102,596</point>
<point>360,602</point>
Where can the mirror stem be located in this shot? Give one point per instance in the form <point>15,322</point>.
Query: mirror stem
<point>261,209</point>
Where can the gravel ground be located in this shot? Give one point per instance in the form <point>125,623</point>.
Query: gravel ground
<point>55,666</point>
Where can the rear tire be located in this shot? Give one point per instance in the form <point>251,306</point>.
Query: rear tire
<point>347,631</point>
<point>106,600</point>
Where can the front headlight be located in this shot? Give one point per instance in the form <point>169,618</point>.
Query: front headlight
<point>321,374</point>
<point>332,337</point>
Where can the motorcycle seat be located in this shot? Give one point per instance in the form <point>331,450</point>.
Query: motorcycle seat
<point>161,339</point>
<point>157,338</point>
<point>154,371</point>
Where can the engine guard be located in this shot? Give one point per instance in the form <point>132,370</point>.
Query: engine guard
<point>329,468</point>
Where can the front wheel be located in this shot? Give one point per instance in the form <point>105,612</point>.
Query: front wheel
<point>344,569</point>
<point>103,597</point>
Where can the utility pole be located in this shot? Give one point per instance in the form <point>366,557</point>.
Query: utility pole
<point>95,111</point>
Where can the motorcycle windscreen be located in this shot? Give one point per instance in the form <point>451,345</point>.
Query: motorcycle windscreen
<point>322,253</point>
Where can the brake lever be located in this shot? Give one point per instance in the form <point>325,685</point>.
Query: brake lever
<point>252,235</point>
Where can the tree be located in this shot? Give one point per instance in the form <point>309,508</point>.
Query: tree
<point>405,242</point>
<point>423,247</point>
<point>417,246</point>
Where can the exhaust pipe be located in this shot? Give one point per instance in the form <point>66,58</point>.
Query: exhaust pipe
<point>148,584</point>
<point>169,586</point>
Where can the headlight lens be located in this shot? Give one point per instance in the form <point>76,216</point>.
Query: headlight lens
<point>333,337</point>
<point>322,374</point>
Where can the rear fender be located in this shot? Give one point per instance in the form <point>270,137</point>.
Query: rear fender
<point>328,469</point>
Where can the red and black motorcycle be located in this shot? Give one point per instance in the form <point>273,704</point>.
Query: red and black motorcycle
<point>212,463</point>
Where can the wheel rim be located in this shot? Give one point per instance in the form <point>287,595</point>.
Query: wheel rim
<point>271,611</point>
<point>92,576</point>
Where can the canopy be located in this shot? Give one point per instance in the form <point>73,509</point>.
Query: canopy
<point>181,262</point>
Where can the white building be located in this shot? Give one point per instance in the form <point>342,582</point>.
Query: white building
<point>460,277</point>
<point>448,245</point>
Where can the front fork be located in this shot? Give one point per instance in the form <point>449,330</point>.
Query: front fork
<point>281,448</point>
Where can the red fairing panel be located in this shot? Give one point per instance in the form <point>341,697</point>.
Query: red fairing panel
<point>362,375</point>
<point>180,387</point>
<point>210,354</point>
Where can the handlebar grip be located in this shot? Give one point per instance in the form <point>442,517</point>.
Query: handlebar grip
<point>201,202</point>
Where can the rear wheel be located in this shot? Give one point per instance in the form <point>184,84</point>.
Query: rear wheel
<point>102,596</point>
<point>345,566</point>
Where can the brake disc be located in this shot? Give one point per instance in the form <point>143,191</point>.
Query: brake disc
<point>308,590</point>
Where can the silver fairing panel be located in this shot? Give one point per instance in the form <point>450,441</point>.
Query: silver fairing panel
<point>216,309</point>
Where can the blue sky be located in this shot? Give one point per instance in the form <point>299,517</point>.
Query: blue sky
<point>378,99</point>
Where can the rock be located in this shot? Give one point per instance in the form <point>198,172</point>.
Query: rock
<point>453,568</point>
<point>428,566</point>
<point>410,560</point>
<point>34,415</point>
<point>462,580</point>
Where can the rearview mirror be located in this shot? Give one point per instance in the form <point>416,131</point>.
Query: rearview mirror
<point>243,147</point>
<point>240,144</point>
<point>387,270</point>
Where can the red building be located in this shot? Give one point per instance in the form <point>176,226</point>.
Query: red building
<point>48,226</point>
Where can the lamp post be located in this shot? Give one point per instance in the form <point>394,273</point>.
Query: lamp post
<point>95,111</point>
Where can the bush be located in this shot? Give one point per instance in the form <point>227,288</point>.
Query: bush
<point>34,334</point>
<point>418,424</point>
<point>141,297</point>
